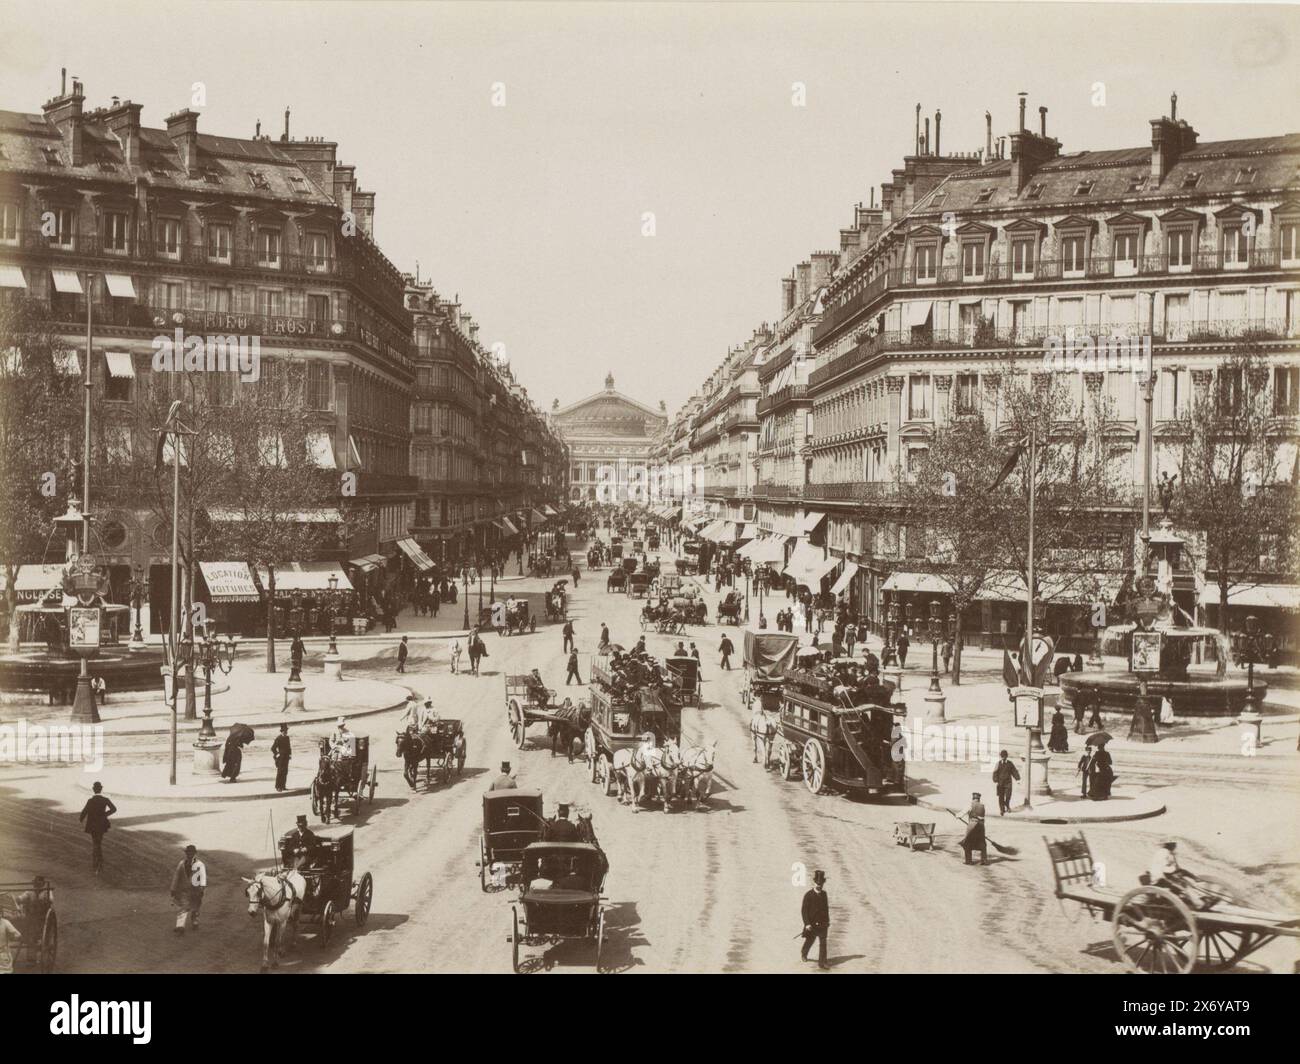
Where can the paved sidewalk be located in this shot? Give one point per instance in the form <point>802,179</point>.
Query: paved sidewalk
<point>1061,808</point>
<point>150,781</point>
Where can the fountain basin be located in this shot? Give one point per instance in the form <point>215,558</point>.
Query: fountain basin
<point>1205,697</point>
<point>39,672</point>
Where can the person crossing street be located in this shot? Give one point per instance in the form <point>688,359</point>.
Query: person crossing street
<point>1004,774</point>
<point>572,674</point>
<point>726,648</point>
<point>95,814</point>
<point>189,881</point>
<point>816,915</point>
<point>568,636</point>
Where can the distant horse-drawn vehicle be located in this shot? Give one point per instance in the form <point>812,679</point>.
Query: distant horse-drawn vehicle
<point>616,581</point>
<point>767,657</point>
<point>730,608</point>
<point>441,748</point>
<point>664,619</point>
<point>343,774</point>
<point>30,908</point>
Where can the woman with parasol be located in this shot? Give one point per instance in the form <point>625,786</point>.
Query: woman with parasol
<point>1101,772</point>
<point>232,758</point>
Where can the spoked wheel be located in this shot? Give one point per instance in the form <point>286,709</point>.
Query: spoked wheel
<point>49,943</point>
<point>315,799</point>
<point>605,775</point>
<point>1155,932</point>
<point>374,782</point>
<point>1220,948</point>
<point>327,918</point>
<point>514,938</point>
<point>365,895</point>
<point>786,762</point>
<point>589,749</point>
<point>482,863</point>
<point>517,726</point>
<point>813,764</point>
<point>600,936</point>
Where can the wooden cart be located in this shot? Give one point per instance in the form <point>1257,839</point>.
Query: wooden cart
<point>528,703</point>
<point>1154,930</point>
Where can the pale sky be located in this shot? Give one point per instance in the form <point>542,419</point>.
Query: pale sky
<point>533,212</point>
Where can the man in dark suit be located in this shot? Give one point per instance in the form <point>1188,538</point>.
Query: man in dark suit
<point>561,828</point>
<point>816,919</point>
<point>726,648</point>
<point>281,751</point>
<point>1004,773</point>
<point>572,674</point>
<point>95,813</point>
<point>568,636</point>
<point>902,643</point>
<point>402,651</point>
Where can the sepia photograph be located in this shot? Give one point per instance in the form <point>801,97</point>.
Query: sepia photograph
<point>892,410</point>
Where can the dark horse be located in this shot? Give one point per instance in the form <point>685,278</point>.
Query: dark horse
<point>326,786</point>
<point>412,748</point>
<point>567,734</point>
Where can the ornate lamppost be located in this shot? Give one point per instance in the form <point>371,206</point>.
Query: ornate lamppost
<point>333,666</point>
<point>215,653</point>
<point>1256,646</point>
<point>138,589</point>
<point>464,580</point>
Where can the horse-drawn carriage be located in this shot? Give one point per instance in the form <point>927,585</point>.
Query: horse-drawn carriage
<point>331,888</point>
<point>512,617</point>
<point>617,580</point>
<point>559,896</point>
<point>30,908</point>
<point>832,738</point>
<point>638,584</point>
<point>529,701</point>
<point>343,774</point>
<point>1154,929</point>
<point>442,748</point>
<point>730,608</point>
<point>665,618</point>
<point>767,657</point>
<point>511,821</point>
<point>684,679</point>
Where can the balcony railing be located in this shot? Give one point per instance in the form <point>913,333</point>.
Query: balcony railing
<point>852,490</point>
<point>779,491</point>
<point>781,397</point>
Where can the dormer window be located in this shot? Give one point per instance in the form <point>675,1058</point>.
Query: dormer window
<point>1192,180</point>
<point>1126,252</point>
<point>1035,190</point>
<point>1137,182</point>
<point>937,199</point>
<point>212,177</point>
<point>258,179</point>
<point>52,156</point>
<point>1074,254</point>
<point>1288,234</point>
<point>926,262</point>
<point>298,182</point>
<point>1084,188</point>
<point>1246,176</point>
<point>1178,246</point>
<point>1236,246</point>
<point>1022,258</point>
<point>105,163</point>
<point>159,168</point>
<point>169,237</point>
<point>985,195</point>
<point>972,260</point>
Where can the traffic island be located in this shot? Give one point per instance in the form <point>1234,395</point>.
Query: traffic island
<point>1060,808</point>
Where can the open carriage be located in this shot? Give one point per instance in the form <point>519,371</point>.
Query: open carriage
<point>512,617</point>
<point>331,886</point>
<point>834,740</point>
<point>664,618</point>
<point>442,748</point>
<point>731,607</point>
<point>559,897</point>
<point>1154,930</point>
<point>30,908</point>
<point>343,775</point>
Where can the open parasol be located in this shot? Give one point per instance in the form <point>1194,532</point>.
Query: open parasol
<point>1097,738</point>
<point>241,734</point>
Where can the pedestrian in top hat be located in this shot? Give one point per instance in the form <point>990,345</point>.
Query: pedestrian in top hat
<point>572,674</point>
<point>816,916</point>
<point>1004,773</point>
<point>401,655</point>
<point>604,635</point>
<point>95,814</point>
<point>505,781</point>
<point>726,648</point>
<point>561,828</point>
<point>568,637</point>
<point>281,752</point>
<point>188,884</point>
<point>901,644</point>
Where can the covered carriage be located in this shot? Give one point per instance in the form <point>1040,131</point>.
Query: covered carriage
<point>638,584</point>
<point>619,722</point>
<point>730,608</point>
<point>332,886</point>
<point>684,679</point>
<point>617,580</point>
<point>559,897</point>
<point>768,656</point>
<point>511,821</point>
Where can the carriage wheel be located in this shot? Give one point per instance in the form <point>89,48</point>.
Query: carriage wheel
<point>482,863</point>
<point>327,918</point>
<point>813,764</point>
<point>600,936</point>
<point>1222,947</point>
<point>1155,932</point>
<point>518,727</point>
<point>374,781</point>
<point>315,799</point>
<point>605,775</point>
<point>49,943</point>
<point>514,938</point>
<point>365,895</point>
<point>589,751</point>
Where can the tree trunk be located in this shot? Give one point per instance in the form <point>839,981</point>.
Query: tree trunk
<point>956,652</point>
<point>1221,667</point>
<point>11,601</point>
<point>270,618</point>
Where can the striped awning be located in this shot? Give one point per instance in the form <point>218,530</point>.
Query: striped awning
<point>369,562</point>
<point>119,364</point>
<point>413,551</point>
<point>808,564</point>
<point>12,277</point>
<point>845,578</point>
<point>506,525</point>
<point>67,282</point>
<point>120,286</point>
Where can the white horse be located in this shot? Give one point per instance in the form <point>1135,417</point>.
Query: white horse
<point>763,729</point>
<point>697,765</point>
<point>278,896</point>
<point>633,766</point>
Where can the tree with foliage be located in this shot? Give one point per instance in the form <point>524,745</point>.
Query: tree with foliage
<point>1234,481</point>
<point>970,490</point>
<point>40,437</point>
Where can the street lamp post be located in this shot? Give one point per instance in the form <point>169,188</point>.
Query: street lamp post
<point>332,597</point>
<point>1255,646</point>
<point>215,653</point>
<point>464,580</point>
<point>139,588</point>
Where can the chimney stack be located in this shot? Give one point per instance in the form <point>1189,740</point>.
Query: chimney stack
<point>988,136</point>
<point>1030,150</point>
<point>938,117</point>
<point>1170,138</point>
<point>183,129</point>
<point>65,113</point>
<point>925,144</point>
<point>1042,121</point>
<point>1023,96</point>
<point>787,295</point>
<point>802,279</point>
<point>1173,106</point>
<point>123,121</point>
<point>285,137</point>
<point>917,143</point>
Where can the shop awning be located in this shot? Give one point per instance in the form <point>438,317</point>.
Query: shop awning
<point>119,286</point>
<point>808,564</point>
<point>1256,596</point>
<point>324,516</point>
<point>767,550</point>
<point>119,364</point>
<point>712,531</point>
<point>230,581</point>
<point>845,578</point>
<point>546,509</point>
<point>35,580</point>
<point>418,558</point>
<point>369,562</point>
<point>811,520</point>
<point>67,282</point>
<point>320,449</point>
<point>925,583</point>
<point>12,277</point>
<point>747,531</point>
<point>537,517</point>
<point>306,576</point>
<point>506,525</point>
<point>918,313</point>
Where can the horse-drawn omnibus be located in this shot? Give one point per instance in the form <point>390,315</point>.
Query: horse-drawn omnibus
<point>619,724</point>
<point>833,743</point>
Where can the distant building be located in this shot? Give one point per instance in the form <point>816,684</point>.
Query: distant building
<point>611,439</point>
